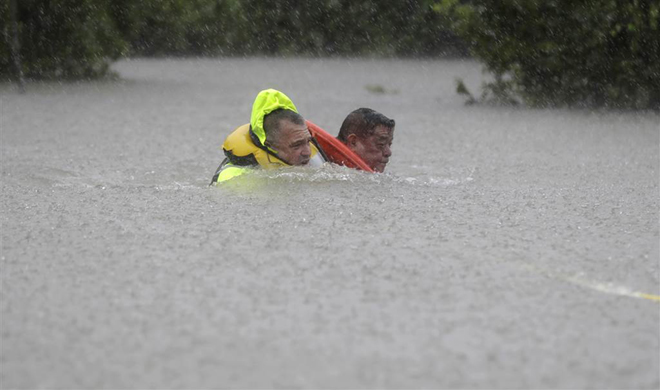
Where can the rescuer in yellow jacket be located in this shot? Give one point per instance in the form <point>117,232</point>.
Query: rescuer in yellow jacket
<point>276,136</point>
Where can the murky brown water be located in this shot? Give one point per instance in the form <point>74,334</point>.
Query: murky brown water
<point>504,247</point>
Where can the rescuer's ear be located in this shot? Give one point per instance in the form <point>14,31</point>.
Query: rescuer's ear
<point>268,143</point>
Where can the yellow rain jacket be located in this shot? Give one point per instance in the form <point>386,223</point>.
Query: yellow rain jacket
<point>245,146</point>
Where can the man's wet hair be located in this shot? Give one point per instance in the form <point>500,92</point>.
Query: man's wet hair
<point>362,123</point>
<point>272,121</point>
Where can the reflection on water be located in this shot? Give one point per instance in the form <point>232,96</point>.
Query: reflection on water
<point>258,179</point>
<point>478,260</point>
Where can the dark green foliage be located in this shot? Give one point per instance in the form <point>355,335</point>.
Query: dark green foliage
<point>5,39</point>
<point>66,39</point>
<point>578,53</point>
<point>171,27</point>
<point>343,27</point>
<point>461,89</point>
<point>79,38</point>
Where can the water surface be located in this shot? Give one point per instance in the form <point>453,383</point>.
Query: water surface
<point>502,248</point>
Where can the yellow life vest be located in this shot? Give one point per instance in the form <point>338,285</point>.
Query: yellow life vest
<point>241,150</point>
<point>245,146</point>
<point>242,153</point>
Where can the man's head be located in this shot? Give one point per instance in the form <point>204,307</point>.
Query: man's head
<point>369,134</point>
<point>287,134</point>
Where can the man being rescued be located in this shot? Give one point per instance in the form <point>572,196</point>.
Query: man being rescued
<point>369,134</point>
<point>276,136</point>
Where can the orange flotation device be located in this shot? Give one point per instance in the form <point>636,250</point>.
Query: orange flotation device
<point>335,150</point>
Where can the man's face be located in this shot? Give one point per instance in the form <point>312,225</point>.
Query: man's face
<point>292,143</point>
<point>375,148</point>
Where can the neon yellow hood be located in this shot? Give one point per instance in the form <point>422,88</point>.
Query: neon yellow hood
<point>266,102</point>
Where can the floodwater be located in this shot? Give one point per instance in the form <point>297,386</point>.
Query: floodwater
<point>503,247</point>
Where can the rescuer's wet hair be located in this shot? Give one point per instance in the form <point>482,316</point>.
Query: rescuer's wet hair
<point>273,120</point>
<point>362,123</point>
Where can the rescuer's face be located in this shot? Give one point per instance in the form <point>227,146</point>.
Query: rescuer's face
<point>293,143</point>
<point>374,149</point>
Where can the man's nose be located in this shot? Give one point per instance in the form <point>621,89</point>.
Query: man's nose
<point>306,151</point>
<point>387,151</point>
